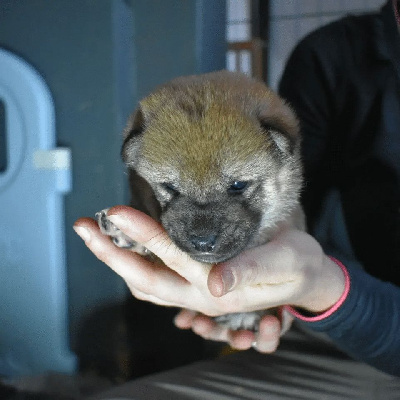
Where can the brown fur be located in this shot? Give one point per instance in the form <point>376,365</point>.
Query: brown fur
<point>205,112</point>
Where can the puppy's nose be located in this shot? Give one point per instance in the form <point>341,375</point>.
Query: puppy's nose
<point>205,244</point>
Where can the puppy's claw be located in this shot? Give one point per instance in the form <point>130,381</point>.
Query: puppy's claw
<point>251,320</point>
<point>117,236</point>
<point>236,321</point>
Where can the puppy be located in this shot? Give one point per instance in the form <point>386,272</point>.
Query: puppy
<point>216,159</point>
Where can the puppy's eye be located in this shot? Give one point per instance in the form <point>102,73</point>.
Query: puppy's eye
<point>237,187</point>
<point>170,187</point>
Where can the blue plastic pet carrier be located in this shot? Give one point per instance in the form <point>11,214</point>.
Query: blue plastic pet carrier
<point>34,177</point>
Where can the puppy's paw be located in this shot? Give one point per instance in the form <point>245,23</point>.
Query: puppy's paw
<point>251,320</point>
<point>117,236</point>
<point>238,321</point>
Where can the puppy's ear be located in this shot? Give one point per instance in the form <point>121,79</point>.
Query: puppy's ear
<point>280,123</point>
<point>142,195</point>
<point>132,135</point>
<point>284,142</point>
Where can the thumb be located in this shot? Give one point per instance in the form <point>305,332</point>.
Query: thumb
<point>272,264</point>
<point>254,266</point>
<point>277,262</point>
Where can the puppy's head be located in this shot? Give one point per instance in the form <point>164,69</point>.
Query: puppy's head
<point>221,153</point>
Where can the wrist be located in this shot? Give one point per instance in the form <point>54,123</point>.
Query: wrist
<point>331,294</point>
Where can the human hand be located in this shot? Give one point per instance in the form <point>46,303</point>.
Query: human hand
<point>266,340</point>
<point>177,281</point>
<point>291,269</point>
<point>314,282</point>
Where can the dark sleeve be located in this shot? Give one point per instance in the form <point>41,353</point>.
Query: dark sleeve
<point>311,84</point>
<point>367,325</point>
<point>308,84</point>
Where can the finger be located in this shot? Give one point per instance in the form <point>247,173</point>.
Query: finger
<point>144,275</point>
<point>268,336</point>
<point>208,329</point>
<point>286,320</point>
<point>154,298</point>
<point>143,229</point>
<point>184,319</point>
<point>241,340</point>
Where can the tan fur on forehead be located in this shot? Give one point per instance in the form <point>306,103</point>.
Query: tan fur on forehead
<point>200,123</point>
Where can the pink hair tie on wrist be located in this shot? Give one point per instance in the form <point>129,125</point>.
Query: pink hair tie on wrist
<point>332,309</point>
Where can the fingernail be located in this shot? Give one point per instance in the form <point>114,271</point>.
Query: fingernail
<point>271,330</point>
<point>228,280</point>
<point>82,232</point>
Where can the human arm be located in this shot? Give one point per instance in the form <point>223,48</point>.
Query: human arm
<point>367,325</point>
<point>292,269</point>
<point>191,285</point>
<point>364,321</point>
